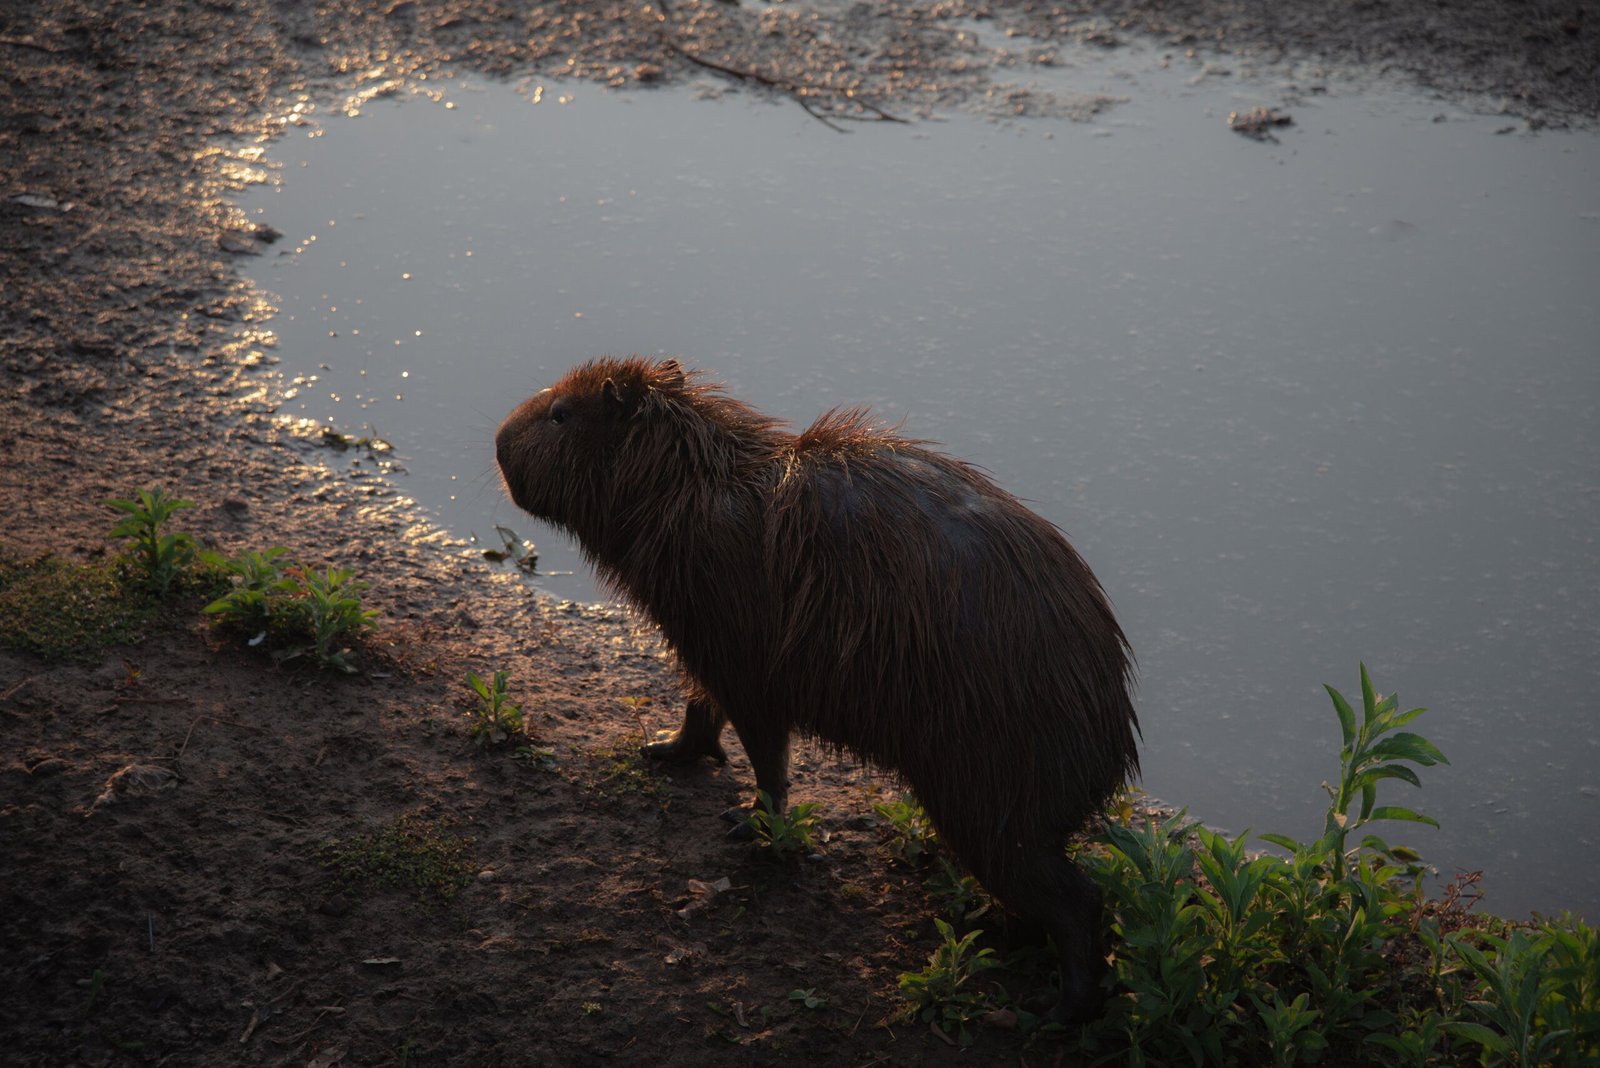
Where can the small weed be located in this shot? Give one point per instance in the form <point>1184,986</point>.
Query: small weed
<point>411,853</point>
<point>535,756</point>
<point>163,558</point>
<point>784,834</point>
<point>295,610</point>
<point>591,1007</point>
<point>809,998</point>
<point>333,609</point>
<point>59,610</point>
<point>958,894</point>
<point>258,580</point>
<point>627,771</point>
<point>913,838</point>
<point>635,707</point>
<point>943,993</point>
<point>95,984</point>
<point>495,719</point>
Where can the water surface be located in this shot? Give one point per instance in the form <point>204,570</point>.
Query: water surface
<point>1299,404</point>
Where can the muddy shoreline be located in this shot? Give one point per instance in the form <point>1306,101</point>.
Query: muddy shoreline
<point>130,342</point>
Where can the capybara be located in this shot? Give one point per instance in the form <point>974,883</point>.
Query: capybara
<point>863,589</point>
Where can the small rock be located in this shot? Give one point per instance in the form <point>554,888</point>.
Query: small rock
<point>1258,122</point>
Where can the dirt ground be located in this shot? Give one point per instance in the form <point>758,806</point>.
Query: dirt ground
<point>209,922</point>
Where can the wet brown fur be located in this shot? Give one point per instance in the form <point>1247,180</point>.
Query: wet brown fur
<point>864,589</point>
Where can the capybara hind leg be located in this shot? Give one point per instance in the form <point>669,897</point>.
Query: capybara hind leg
<point>1071,912</point>
<point>700,736</point>
<point>1050,894</point>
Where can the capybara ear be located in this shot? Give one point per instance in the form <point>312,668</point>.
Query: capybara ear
<point>612,397</point>
<point>671,372</point>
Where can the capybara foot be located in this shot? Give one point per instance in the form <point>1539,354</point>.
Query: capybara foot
<point>1083,998</point>
<point>742,829</point>
<point>675,748</point>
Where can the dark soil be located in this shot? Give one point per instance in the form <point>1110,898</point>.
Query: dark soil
<point>217,917</point>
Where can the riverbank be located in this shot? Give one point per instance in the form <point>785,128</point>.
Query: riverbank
<point>206,918</point>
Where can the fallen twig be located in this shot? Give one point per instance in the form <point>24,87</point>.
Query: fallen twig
<point>22,42</point>
<point>798,91</point>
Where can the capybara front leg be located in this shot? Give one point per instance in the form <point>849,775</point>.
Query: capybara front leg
<point>700,736</point>
<point>768,749</point>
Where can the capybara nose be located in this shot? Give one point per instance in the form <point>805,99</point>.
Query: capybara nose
<point>504,439</point>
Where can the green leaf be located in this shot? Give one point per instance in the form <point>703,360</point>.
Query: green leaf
<point>1483,1036</point>
<point>1369,697</point>
<point>1396,812</point>
<point>1282,840</point>
<point>1392,771</point>
<point>1407,746</point>
<point>1374,843</point>
<point>1347,716</point>
<point>1398,721</point>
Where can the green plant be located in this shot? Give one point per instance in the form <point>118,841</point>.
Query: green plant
<point>1572,1002</point>
<point>783,833</point>
<point>1415,1043</point>
<point>409,853</point>
<point>298,611</point>
<point>95,983</point>
<point>535,756</point>
<point>495,719</point>
<point>1228,957</point>
<point>958,894</point>
<point>627,771</point>
<point>163,557</point>
<point>1514,983</point>
<point>913,839</point>
<point>62,610</point>
<point>809,998</point>
<point>258,578</point>
<point>1328,952</point>
<point>1366,759</point>
<point>943,993</point>
<point>332,603</point>
<point>1289,1028</point>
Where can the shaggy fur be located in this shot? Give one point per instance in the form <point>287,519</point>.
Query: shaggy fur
<point>864,589</point>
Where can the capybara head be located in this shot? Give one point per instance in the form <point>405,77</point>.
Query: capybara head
<point>559,448</point>
<point>593,452</point>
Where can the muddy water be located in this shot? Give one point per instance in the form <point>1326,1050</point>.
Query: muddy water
<point>1299,403</point>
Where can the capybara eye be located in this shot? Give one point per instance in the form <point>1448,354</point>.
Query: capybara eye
<point>559,412</point>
